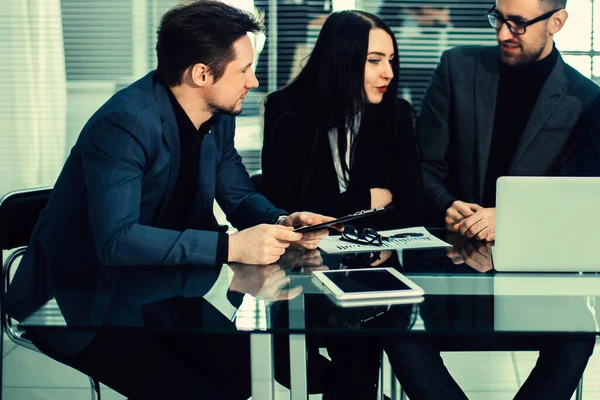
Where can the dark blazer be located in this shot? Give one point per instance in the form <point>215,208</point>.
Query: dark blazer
<point>298,175</point>
<point>457,121</point>
<point>113,189</point>
<point>588,160</point>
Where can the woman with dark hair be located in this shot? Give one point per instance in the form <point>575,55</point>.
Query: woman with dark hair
<point>337,139</point>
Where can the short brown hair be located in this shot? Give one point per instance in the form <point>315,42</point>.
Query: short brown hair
<point>200,32</point>
<point>553,4</point>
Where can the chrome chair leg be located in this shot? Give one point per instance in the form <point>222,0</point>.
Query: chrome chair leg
<point>579,391</point>
<point>380,384</point>
<point>394,386</point>
<point>95,387</point>
<point>402,394</point>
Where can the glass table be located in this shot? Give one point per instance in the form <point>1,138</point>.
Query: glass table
<point>464,298</point>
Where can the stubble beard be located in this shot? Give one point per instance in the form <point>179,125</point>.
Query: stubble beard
<point>219,109</point>
<point>525,57</point>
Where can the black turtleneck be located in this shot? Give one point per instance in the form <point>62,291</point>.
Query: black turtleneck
<point>178,212</point>
<point>518,89</point>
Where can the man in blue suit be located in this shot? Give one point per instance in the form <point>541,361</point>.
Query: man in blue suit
<point>138,189</point>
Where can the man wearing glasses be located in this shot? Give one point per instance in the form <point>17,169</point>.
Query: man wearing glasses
<point>509,109</point>
<point>503,110</point>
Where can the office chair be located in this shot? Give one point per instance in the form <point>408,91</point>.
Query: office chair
<point>19,212</point>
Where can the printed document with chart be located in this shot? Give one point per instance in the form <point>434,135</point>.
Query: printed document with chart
<point>408,238</point>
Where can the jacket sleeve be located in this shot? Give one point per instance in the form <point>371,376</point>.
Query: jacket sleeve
<point>130,287</point>
<point>434,139</point>
<point>115,151</point>
<point>407,181</point>
<point>285,158</point>
<point>235,193</point>
<point>586,157</point>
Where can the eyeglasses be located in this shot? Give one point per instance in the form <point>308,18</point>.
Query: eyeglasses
<point>364,236</point>
<point>370,236</point>
<point>516,27</point>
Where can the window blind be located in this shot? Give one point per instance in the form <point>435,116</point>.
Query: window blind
<point>98,39</point>
<point>424,30</point>
<point>108,44</point>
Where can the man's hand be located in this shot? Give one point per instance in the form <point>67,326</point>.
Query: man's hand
<point>310,261</point>
<point>380,197</point>
<point>298,257</point>
<point>309,240</point>
<point>477,255</point>
<point>457,212</point>
<point>265,282</point>
<point>262,244</point>
<point>383,257</point>
<point>481,225</point>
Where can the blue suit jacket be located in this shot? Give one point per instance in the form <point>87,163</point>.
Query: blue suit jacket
<point>114,187</point>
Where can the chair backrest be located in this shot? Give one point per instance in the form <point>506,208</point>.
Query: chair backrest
<point>19,212</point>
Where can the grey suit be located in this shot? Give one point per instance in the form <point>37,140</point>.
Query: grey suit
<point>457,121</point>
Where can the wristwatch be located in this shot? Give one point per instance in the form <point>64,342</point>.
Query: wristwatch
<point>280,219</point>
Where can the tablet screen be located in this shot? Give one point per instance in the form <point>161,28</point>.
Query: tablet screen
<point>351,281</point>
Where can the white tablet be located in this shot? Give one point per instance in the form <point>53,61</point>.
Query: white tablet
<point>384,301</point>
<point>368,283</point>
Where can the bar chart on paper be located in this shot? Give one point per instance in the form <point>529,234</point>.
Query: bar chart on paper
<point>397,239</point>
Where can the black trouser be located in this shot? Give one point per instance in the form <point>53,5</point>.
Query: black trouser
<point>142,364</point>
<point>146,366</point>
<point>422,374</point>
<point>355,366</point>
<point>352,373</point>
<point>352,339</point>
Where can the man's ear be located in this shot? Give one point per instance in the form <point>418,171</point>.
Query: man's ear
<point>200,75</point>
<point>557,21</point>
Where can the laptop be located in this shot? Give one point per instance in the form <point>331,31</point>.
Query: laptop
<point>547,224</point>
<point>522,301</point>
<point>529,314</point>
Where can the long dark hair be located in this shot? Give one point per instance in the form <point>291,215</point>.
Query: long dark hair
<point>331,84</point>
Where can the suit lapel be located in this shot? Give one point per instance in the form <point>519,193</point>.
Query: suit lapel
<point>170,135</point>
<point>205,193</point>
<point>550,96</point>
<point>485,93</point>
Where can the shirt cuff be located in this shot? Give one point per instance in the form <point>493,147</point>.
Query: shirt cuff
<point>442,215</point>
<point>222,248</point>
